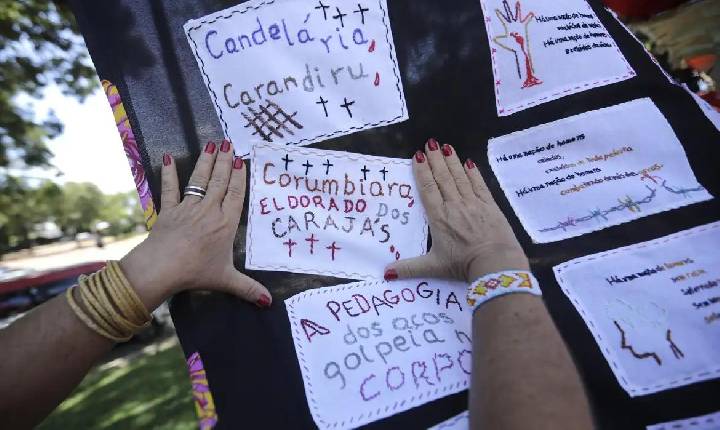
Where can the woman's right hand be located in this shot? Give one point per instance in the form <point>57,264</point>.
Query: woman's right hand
<point>470,235</point>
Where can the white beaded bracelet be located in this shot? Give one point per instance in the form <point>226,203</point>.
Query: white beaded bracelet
<point>498,284</point>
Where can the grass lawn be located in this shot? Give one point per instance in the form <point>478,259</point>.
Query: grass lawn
<point>151,391</point>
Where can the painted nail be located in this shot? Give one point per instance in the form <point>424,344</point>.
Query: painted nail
<point>210,147</point>
<point>166,159</point>
<point>238,163</point>
<point>432,144</point>
<point>447,150</point>
<point>225,145</point>
<point>391,275</point>
<point>470,164</point>
<point>420,157</point>
<point>263,301</point>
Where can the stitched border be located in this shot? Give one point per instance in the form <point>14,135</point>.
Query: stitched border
<point>563,91</point>
<point>604,347</point>
<point>702,420</point>
<point>290,303</point>
<point>503,140</point>
<point>452,421</point>
<point>193,25</point>
<point>324,153</point>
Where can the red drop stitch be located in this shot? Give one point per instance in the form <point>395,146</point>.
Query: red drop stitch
<point>377,79</point>
<point>372,46</point>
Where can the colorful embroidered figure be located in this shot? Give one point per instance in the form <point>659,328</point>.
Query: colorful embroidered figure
<point>204,404</point>
<point>131,152</point>
<point>517,39</point>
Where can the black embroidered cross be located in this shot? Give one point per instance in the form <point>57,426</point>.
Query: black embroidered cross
<point>287,160</point>
<point>324,9</point>
<point>361,10</point>
<point>384,172</point>
<point>327,165</point>
<point>307,166</point>
<point>347,105</point>
<point>323,102</point>
<point>365,171</point>
<point>340,16</point>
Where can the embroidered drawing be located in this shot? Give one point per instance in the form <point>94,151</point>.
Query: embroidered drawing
<point>638,355</point>
<point>648,323</point>
<point>517,40</point>
<point>271,121</point>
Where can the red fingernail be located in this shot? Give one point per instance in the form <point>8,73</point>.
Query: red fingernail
<point>210,147</point>
<point>166,159</point>
<point>391,275</point>
<point>447,150</point>
<point>470,164</point>
<point>432,144</point>
<point>238,163</point>
<point>420,157</point>
<point>225,146</point>
<point>263,301</point>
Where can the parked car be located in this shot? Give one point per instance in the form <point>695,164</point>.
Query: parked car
<point>23,291</point>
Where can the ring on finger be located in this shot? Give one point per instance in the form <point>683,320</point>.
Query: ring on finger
<point>192,190</point>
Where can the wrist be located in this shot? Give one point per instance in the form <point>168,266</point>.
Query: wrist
<point>145,277</point>
<point>496,258</point>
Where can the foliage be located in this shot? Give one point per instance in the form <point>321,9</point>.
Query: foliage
<point>39,46</point>
<point>74,207</point>
<point>151,392</point>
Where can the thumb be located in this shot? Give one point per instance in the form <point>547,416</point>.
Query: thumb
<point>248,289</point>
<point>424,266</point>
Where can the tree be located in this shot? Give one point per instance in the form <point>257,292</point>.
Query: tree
<point>39,46</point>
<point>81,207</point>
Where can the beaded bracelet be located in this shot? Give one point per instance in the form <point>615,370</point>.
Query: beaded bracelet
<point>111,308</point>
<point>498,284</point>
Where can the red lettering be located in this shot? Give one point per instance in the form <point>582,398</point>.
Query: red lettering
<point>293,202</point>
<point>263,206</point>
<point>304,201</point>
<point>358,204</point>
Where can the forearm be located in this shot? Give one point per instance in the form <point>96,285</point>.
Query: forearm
<point>523,375</point>
<point>46,355</point>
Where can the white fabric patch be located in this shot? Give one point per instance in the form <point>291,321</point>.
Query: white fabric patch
<point>545,50</point>
<point>594,170</point>
<point>369,350</point>
<point>707,108</point>
<point>331,213</point>
<point>653,308</point>
<point>704,422</point>
<point>458,422</point>
<point>292,72</point>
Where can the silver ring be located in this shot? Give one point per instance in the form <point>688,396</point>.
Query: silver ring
<point>194,191</point>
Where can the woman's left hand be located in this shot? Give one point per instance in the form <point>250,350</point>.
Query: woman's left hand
<point>191,243</point>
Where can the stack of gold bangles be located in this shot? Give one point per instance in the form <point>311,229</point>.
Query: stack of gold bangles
<point>114,310</point>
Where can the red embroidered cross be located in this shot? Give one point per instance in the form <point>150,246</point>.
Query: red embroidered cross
<point>332,249</point>
<point>290,243</point>
<point>312,241</point>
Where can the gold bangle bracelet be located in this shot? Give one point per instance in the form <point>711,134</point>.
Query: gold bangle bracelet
<point>117,290</point>
<point>86,320</point>
<point>139,306</point>
<point>112,311</point>
<point>95,308</point>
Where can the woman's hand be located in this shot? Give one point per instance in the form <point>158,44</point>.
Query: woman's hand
<point>191,243</point>
<point>470,235</point>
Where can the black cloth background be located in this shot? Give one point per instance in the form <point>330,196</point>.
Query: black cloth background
<point>444,58</point>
